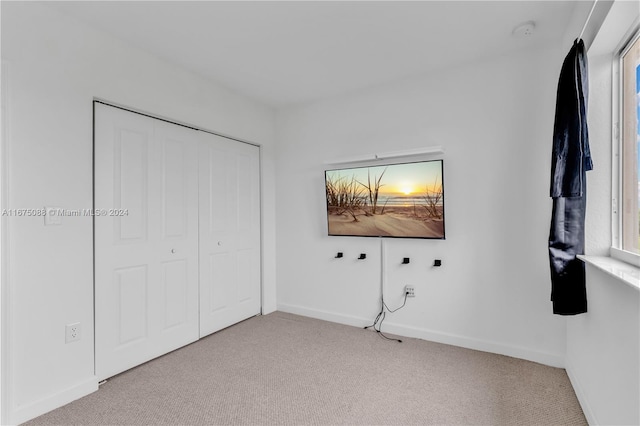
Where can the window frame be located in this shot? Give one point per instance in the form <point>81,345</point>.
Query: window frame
<point>616,250</point>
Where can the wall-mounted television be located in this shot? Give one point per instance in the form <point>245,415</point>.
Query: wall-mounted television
<point>396,200</point>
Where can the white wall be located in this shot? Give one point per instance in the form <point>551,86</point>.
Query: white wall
<point>494,120</point>
<point>603,352</point>
<point>603,345</point>
<point>56,67</point>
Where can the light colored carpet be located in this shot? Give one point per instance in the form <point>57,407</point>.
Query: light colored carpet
<point>291,370</point>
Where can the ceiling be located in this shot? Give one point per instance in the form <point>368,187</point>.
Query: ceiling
<point>290,52</point>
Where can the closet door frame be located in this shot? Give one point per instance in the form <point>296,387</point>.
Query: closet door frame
<point>182,124</point>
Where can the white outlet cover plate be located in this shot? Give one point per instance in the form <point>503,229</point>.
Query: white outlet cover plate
<point>72,332</point>
<point>52,217</point>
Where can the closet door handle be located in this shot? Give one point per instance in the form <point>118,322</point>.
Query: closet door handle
<point>173,250</point>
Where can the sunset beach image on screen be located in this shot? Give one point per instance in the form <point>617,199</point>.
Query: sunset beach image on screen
<point>396,200</point>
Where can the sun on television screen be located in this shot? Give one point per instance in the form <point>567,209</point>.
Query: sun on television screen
<point>396,200</point>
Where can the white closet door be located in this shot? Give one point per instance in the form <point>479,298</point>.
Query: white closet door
<point>229,233</point>
<point>146,261</point>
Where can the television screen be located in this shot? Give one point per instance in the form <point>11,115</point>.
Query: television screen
<point>396,200</point>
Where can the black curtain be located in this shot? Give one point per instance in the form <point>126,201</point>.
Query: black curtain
<point>570,161</point>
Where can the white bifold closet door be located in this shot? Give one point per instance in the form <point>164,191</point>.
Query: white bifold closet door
<point>229,232</point>
<point>177,255</point>
<point>146,255</point>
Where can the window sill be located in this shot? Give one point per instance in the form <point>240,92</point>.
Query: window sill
<point>625,272</point>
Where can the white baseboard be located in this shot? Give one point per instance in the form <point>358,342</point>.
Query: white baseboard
<point>325,315</point>
<point>582,397</point>
<point>552,360</point>
<point>32,410</point>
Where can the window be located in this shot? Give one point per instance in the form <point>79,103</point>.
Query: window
<point>629,146</point>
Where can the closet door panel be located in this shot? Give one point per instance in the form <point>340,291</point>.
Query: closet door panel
<point>146,246</point>
<point>229,233</point>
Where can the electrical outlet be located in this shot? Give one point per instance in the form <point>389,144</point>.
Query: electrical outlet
<point>72,332</point>
<point>410,291</point>
<point>53,216</point>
